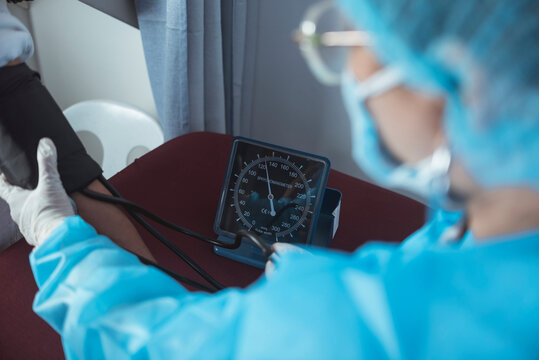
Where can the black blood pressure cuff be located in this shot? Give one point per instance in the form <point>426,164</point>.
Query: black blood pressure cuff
<point>28,113</point>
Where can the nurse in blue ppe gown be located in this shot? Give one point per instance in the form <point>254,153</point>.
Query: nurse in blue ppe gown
<point>442,97</point>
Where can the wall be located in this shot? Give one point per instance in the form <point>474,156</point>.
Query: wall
<point>289,106</point>
<point>85,54</point>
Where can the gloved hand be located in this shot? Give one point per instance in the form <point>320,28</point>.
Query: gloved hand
<point>279,249</point>
<point>40,211</point>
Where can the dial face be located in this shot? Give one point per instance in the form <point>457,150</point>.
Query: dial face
<point>273,192</point>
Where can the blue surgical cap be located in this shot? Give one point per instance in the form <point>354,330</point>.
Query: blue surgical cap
<point>483,56</point>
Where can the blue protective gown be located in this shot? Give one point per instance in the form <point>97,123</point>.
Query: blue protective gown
<point>419,300</point>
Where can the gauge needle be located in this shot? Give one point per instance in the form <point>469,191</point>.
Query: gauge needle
<point>270,195</point>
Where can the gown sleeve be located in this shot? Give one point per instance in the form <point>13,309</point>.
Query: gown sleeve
<point>379,303</point>
<point>106,304</point>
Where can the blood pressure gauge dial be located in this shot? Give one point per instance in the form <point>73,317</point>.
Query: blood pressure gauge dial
<point>271,191</point>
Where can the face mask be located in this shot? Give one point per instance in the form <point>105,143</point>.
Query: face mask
<point>428,178</point>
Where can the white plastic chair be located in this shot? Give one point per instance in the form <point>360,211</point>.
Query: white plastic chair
<point>114,134</point>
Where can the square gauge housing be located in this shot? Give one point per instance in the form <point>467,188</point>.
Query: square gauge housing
<point>272,191</point>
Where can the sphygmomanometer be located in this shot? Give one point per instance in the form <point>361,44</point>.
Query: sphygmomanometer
<point>270,194</point>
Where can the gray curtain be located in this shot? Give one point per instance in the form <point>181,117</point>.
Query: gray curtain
<point>183,46</point>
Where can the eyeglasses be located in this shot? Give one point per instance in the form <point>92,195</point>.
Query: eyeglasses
<point>326,52</point>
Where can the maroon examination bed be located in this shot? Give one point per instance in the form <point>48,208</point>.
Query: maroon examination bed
<point>181,181</point>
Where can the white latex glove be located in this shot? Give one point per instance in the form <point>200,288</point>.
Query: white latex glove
<point>279,249</point>
<point>40,211</point>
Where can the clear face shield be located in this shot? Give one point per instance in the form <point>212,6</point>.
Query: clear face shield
<point>325,38</point>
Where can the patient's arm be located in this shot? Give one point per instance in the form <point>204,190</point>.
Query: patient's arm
<point>111,221</point>
<point>107,219</point>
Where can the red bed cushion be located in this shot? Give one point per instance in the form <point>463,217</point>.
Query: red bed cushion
<point>181,181</point>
